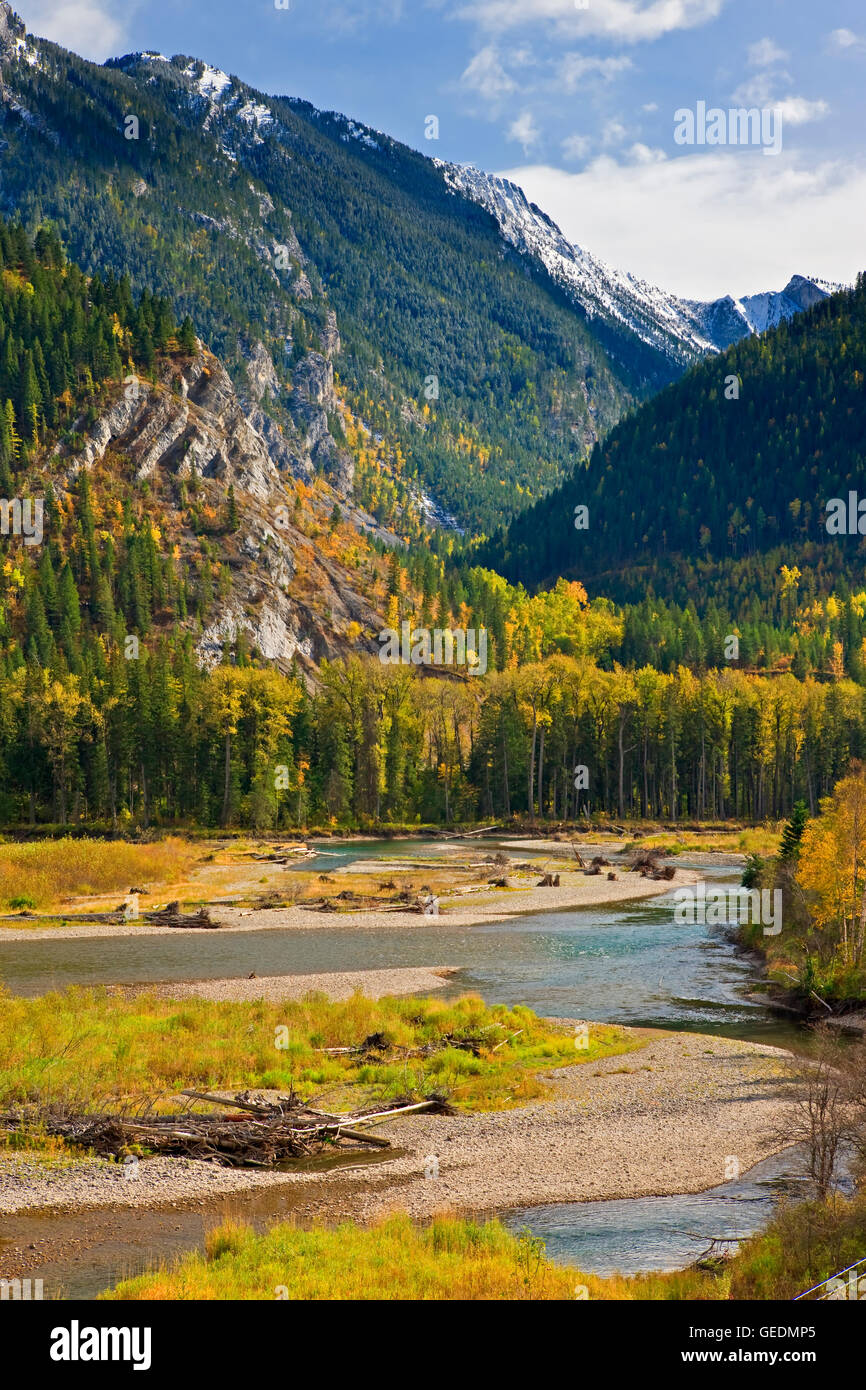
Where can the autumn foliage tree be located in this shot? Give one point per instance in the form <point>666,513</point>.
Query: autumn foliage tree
<point>832,867</point>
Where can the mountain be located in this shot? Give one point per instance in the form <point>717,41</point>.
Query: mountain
<point>708,489</point>
<point>173,514</point>
<point>481,356</point>
<point>475,382</point>
<point>417,342</point>
<point>682,329</point>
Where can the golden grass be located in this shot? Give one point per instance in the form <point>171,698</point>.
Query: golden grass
<point>450,1259</point>
<point>44,873</point>
<point>454,1258</point>
<point>762,839</point>
<point>83,1045</point>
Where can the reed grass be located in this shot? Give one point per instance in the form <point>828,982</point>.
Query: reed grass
<point>449,1259</point>
<point>88,1046</point>
<point>43,873</point>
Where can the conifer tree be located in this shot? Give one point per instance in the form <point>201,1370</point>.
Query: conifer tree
<point>793,832</point>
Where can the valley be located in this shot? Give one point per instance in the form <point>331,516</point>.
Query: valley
<point>558,960</point>
<point>359,809</point>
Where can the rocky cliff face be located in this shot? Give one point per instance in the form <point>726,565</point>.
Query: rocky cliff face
<point>291,599</point>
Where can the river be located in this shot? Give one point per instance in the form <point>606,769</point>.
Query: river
<point>629,964</point>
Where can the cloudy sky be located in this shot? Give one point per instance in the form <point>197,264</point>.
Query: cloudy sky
<point>575,100</point>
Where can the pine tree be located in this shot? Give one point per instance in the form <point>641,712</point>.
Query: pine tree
<point>29,397</point>
<point>789,847</point>
<point>186,336</point>
<point>233,519</point>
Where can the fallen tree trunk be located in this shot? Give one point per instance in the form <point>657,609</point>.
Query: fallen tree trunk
<point>171,916</point>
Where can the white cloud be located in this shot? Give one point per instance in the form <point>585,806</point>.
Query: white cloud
<point>761,91</point>
<point>574,67</point>
<point>757,91</point>
<point>92,28</point>
<point>625,21</point>
<point>646,154</point>
<point>847,40</point>
<point>765,53</point>
<point>575,147</point>
<point>799,110</point>
<point>613,132</point>
<point>708,224</point>
<point>650,106</point>
<point>525,131</point>
<point>487,76</point>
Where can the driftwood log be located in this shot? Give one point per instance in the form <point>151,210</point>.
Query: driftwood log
<point>261,1136</point>
<point>406,900</point>
<point>171,916</point>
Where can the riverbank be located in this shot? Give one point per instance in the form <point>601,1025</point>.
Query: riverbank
<point>373,984</point>
<point>667,1118</point>
<point>576,890</point>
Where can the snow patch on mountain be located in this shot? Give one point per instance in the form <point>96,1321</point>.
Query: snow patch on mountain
<point>255,114</point>
<point>212,82</point>
<point>359,133</point>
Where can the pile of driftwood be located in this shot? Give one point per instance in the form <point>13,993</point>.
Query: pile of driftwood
<point>260,1136</point>
<point>280,854</point>
<point>645,863</point>
<point>406,900</point>
<point>171,916</point>
<point>598,863</point>
<point>378,1048</point>
<point>126,914</point>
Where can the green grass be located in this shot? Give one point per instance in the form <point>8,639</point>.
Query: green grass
<point>453,1258</point>
<point>805,1243</point>
<point>84,1046</point>
<point>450,1259</point>
<point>46,924</point>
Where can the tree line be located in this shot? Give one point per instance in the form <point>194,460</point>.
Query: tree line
<point>156,739</point>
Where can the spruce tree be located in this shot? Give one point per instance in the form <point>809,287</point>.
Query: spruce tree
<point>793,833</point>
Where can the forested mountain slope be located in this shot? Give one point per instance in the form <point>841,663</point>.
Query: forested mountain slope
<point>186,570</point>
<point>263,217</point>
<point>167,515</point>
<point>708,489</point>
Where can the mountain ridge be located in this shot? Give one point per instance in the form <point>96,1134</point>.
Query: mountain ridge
<point>682,328</point>
<point>260,216</point>
<point>285,231</point>
<point>716,493</point>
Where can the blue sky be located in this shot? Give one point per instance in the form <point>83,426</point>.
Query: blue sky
<point>576,102</point>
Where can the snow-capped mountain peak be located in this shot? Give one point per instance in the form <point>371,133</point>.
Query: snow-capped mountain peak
<point>681,329</point>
